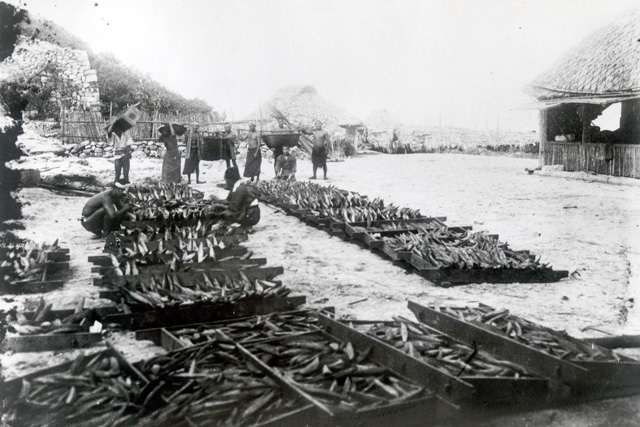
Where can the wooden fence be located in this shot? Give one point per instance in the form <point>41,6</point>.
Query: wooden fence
<point>589,157</point>
<point>78,126</point>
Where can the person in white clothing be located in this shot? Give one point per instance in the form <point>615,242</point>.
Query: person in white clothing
<point>122,142</point>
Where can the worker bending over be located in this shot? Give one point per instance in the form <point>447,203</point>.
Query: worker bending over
<point>104,212</point>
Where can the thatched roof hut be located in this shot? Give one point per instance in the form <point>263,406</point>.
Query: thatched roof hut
<point>303,105</point>
<point>606,63</point>
<point>602,70</point>
<point>381,119</point>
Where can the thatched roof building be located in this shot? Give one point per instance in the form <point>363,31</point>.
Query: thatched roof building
<point>607,63</point>
<point>303,105</point>
<point>602,70</point>
<point>381,119</point>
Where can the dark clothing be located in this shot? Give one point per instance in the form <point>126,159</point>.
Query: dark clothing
<point>171,167</point>
<point>253,162</point>
<point>277,152</point>
<point>229,149</point>
<point>192,157</point>
<point>254,156</point>
<point>122,166</point>
<point>101,224</point>
<point>171,159</point>
<point>240,200</point>
<point>319,157</point>
<point>192,161</point>
<point>286,167</point>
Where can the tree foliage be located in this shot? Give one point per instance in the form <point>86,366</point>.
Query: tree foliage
<point>118,83</point>
<point>122,86</point>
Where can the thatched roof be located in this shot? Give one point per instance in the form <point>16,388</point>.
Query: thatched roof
<point>605,63</point>
<point>381,118</point>
<point>303,105</point>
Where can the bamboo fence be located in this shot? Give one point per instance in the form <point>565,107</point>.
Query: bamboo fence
<point>78,126</point>
<point>590,157</point>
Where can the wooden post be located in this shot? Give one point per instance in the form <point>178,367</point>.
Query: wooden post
<point>586,123</point>
<point>542,120</point>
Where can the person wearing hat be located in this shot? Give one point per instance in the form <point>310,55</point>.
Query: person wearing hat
<point>254,156</point>
<point>104,212</point>
<point>171,159</point>
<point>192,156</point>
<point>229,151</point>
<point>122,141</point>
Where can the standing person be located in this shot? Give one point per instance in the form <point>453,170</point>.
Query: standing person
<point>104,212</point>
<point>286,166</point>
<point>321,142</point>
<point>122,142</point>
<point>254,156</point>
<point>394,142</point>
<point>192,156</point>
<point>171,159</point>
<point>229,151</point>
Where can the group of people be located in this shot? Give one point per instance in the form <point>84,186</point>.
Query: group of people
<point>104,212</point>
<point>285,165</point>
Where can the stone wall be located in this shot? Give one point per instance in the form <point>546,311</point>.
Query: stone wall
<point>141,149</point>
<point>67,71</point>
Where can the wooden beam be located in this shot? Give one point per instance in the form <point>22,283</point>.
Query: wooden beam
<point>542,120</point>
<point>622,341</point>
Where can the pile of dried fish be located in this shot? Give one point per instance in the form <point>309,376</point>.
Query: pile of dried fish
<point>159,193</point>
<point>171,289</point>
<point>443,248</point>
<point>552,342</point>
<point>334,373</point>
<point>250,330</point>
<point>18,323</point>
<point>95,391</point>
<point>181,251</point>
<point>203,228</point>
<point>335,204</point>
<point>210,386</point>
<point>440,350</point>
<point>25,262</point>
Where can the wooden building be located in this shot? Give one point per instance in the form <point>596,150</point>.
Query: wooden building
<point>604,69</point>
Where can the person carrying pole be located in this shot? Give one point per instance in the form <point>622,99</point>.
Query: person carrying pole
<point>171,159</point>
<point>254,156</point>
<point>229,149</point>
<point>122,141</point>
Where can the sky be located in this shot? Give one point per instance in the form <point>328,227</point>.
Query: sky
<point>429,62</point>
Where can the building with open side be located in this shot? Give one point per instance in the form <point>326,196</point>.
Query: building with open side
<point>604,69</point>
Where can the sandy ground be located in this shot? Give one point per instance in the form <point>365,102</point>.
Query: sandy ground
<point>588,228</point>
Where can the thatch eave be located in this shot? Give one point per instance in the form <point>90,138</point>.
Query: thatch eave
<point>606,62</point>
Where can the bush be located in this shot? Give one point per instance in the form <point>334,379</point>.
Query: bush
<point>124,86</point>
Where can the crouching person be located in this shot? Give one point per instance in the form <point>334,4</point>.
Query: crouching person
<point>286,166</point>
<point>104,212</point>
<point>241,205</point>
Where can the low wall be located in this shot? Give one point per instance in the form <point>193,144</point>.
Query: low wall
<point>66,71</point>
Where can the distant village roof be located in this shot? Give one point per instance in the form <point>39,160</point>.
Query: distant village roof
<point>606,63</point>
<point>303,104</point>
<point>381,118</point>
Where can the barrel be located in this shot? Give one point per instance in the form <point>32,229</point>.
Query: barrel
<point>212,148</point>
<point>280,139</point>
